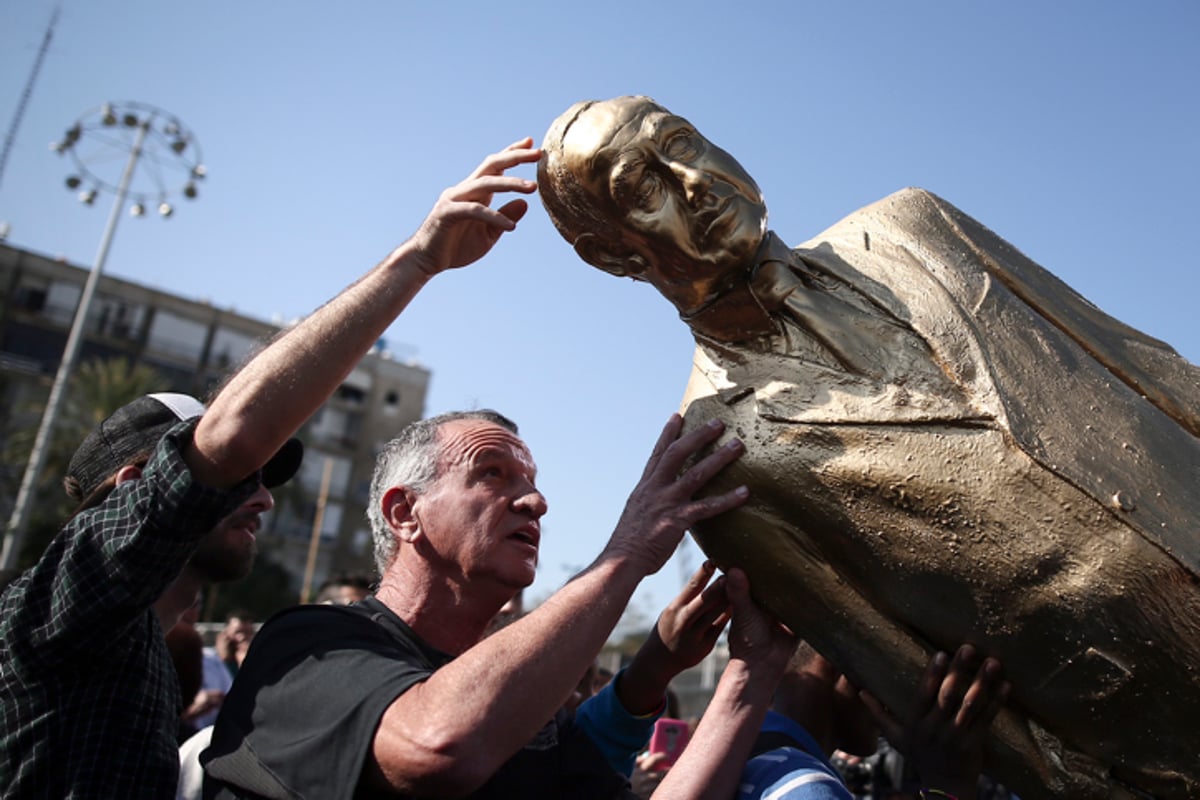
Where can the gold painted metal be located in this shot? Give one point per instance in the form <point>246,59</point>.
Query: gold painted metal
<point>945,443</point>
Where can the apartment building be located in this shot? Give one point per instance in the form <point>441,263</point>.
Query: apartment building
<point>194,345</point>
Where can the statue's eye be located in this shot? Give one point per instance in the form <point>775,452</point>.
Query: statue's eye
<point>682,146</point>
<point>646,193</point>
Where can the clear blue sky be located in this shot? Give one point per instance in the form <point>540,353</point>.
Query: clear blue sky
<point>1070,128</point>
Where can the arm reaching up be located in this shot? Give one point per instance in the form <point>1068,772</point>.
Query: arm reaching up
<point>759,648</point>
<point>944,736</point>
<point>621,718</point>
<point>685,633</point>
<point>280,388</point>
<point>450,733</point>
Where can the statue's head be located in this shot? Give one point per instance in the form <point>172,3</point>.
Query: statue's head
<point>639,192</point>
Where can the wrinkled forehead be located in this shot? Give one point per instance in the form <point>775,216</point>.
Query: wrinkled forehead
<point>466,441</point>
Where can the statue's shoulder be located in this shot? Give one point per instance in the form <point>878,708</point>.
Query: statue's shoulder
<point>915,195</point>
<point>910,214</point>
<point>906,208</point>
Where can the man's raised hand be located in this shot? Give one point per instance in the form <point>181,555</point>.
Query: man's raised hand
<point>663,504</point>
<point>463,227</point>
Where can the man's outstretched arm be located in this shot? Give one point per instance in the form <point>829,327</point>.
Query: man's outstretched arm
<point>268,400</point>
<point>450,734</point>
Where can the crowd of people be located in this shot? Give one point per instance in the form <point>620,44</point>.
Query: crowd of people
<point>408,686</point>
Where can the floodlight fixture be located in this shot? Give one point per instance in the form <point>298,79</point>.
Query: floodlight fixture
<point>145,132</point>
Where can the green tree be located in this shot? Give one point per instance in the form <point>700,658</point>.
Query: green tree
<point>98,388</point>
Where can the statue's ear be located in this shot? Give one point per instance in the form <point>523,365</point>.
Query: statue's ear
<point>615,258</point>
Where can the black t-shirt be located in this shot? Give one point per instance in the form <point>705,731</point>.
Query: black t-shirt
<point>302,714</point>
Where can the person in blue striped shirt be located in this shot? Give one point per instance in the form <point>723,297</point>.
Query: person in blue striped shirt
<point>817,710</point>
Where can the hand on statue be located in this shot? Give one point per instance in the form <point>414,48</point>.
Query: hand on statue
<point>947,728</point>
<point>689,626</point>
<point>462,226</point>
<point>685,633</point>
<point>663,506</point>
<point>755,637</point>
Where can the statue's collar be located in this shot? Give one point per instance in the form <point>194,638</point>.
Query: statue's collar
<point>772,249</point>
<point>771,278</point>
<point>736,313</point>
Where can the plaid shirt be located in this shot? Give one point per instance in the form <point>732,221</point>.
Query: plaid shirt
<point>89,700</point>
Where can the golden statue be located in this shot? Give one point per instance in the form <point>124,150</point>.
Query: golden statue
<point>945,443</point>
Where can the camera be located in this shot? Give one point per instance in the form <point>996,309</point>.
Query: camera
<point>859,776</point>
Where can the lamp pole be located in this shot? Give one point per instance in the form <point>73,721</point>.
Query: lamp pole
<point>142,119</point>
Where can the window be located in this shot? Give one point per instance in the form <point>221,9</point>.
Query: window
<point>178,336</point>
<point>336,426</point>
<point>351,394</point>
<point>30,298</point>
<point>111,316</point>
<point>230,348</point>
<point>312,470</point>
<point>61,301</point>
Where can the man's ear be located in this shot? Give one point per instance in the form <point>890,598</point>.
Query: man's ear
<point>129,472</point>
<point>615,258</point>
<point>398,505</point>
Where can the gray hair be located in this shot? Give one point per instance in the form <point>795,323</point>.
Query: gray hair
<point>412,459</point>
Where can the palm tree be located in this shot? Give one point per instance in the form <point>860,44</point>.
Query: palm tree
<point>98,388</point>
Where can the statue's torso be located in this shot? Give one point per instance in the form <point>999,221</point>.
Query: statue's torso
<point>1041,508</point>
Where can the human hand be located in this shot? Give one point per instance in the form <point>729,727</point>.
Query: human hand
<point>462,226</point>
<point>759,650</point>
<point>653,762</point>
<point>661,507</point>
<point>225,646</point>
<point>205,700</point>
<point>649,771</point>
<point>689,626</point>
<point>944,736</point>
<point>755,637</point>
<point>685,633</point>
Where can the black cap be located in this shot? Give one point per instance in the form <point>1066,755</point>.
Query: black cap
<point>134,430</point>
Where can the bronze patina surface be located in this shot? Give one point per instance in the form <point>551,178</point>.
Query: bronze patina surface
<point>945,443</point>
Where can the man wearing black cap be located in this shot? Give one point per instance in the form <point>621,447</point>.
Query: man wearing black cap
<point>91,693</point>
<point>118,450</point>
<point>170,496</point>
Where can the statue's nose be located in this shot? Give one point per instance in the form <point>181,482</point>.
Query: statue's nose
<point>696,183</point>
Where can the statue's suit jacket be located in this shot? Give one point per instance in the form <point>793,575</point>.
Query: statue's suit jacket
<point>1044,507</point>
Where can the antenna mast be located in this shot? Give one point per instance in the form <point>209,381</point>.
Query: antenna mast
<point>11,136</point>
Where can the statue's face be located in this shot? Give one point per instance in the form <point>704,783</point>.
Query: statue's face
<point>686,204</point>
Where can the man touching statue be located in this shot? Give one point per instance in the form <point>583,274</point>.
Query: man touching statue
<point>945,443</point>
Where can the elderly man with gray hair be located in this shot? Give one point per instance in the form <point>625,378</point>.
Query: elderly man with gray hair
<point>404,693</point>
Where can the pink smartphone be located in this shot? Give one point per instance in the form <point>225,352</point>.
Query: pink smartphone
<point>670,737</point>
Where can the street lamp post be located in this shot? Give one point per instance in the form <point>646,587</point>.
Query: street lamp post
<point>163,141</point>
